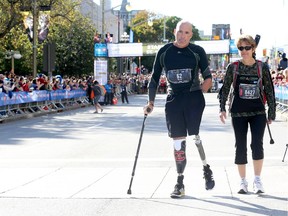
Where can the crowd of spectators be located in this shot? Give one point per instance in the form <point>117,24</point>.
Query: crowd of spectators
<point>136,83</point>
<point>10,82</point>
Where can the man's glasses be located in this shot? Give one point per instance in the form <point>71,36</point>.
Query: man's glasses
<point>241,48</point>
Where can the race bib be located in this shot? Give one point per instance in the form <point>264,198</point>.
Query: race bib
<point>249,91</point>
<point>179,76</point>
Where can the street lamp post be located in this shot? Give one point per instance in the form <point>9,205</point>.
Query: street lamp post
<point>103,19</point>
<point>35,37</point>
<point>12,55</point>
<point>34,8</point>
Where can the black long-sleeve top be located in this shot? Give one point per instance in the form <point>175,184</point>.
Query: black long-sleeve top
<point>181,67</point>
<point>251,107</point>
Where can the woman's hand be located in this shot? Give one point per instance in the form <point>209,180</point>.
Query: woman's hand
<point>223,116</point>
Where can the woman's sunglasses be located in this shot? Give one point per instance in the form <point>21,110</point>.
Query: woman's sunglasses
<point>241,48</point>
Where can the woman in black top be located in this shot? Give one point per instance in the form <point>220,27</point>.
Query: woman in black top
<point>247,108</point>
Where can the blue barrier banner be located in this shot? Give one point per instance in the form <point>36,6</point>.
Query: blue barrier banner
<point>75,94</point>
<point>36,96</point>
<point>57,95</point>
<point>281,92</point>
<point>39,96</point>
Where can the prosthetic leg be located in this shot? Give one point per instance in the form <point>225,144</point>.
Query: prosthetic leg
<point>208,174</point>
<point>180,155</point>
<point>180,159</point>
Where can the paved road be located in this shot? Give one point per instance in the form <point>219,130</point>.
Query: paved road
<point>77,163</point>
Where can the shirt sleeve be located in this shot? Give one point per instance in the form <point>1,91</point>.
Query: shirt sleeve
<point>225,89</point>
<point>155,76</point>
<point>269,91</point>
<point>203,63</point>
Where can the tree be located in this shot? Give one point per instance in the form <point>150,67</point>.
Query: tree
<point>142,31</point>
<point>154,32</point>
<point>10,16</point>
<point>74,44</point>
<point>11,35</point>
<point>72,34</point>
<point>69,30</point>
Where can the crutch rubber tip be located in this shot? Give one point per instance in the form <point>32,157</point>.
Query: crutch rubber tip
<point>129,191</point>
<point>271,141</point>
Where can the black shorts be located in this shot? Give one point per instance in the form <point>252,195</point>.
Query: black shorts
<point>184,113</point>
<point>96,99</point>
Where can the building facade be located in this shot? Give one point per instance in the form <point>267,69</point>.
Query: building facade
<point>108,19</point>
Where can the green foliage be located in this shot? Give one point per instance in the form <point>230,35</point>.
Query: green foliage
<point>155,33</point>
<point>72,34</point>
<point>69,30</point>
<point>142,31</point>
<point>74,46</point>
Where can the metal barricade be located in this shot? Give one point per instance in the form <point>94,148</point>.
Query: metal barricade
<point>26,105</point>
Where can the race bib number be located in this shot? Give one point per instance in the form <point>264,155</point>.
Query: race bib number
<point>179,76</point>
<point>249,91</point>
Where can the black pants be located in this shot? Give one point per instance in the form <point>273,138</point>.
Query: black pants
<point>257,125</point>
<point>124,96</point>
<point>108,99</point>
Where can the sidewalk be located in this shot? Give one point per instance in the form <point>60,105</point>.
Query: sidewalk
<point>150,192</point>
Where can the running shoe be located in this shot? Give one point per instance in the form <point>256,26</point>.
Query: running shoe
<point>243,187</point>
<point>179,190</point>
<point>258,186</point>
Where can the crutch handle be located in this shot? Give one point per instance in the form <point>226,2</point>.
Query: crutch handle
<point>148,110</point>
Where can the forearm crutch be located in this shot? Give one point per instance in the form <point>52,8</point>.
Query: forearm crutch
<point>137,153</point>
<point>271,139</point>
<point>285,153</point>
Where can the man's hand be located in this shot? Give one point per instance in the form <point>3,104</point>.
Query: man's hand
<point>206,85</point>
<point>148,108</point>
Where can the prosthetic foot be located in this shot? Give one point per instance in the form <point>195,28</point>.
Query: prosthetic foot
<point>208,176</point>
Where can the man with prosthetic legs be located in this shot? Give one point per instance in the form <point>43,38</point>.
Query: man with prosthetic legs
<point>182,61</point>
